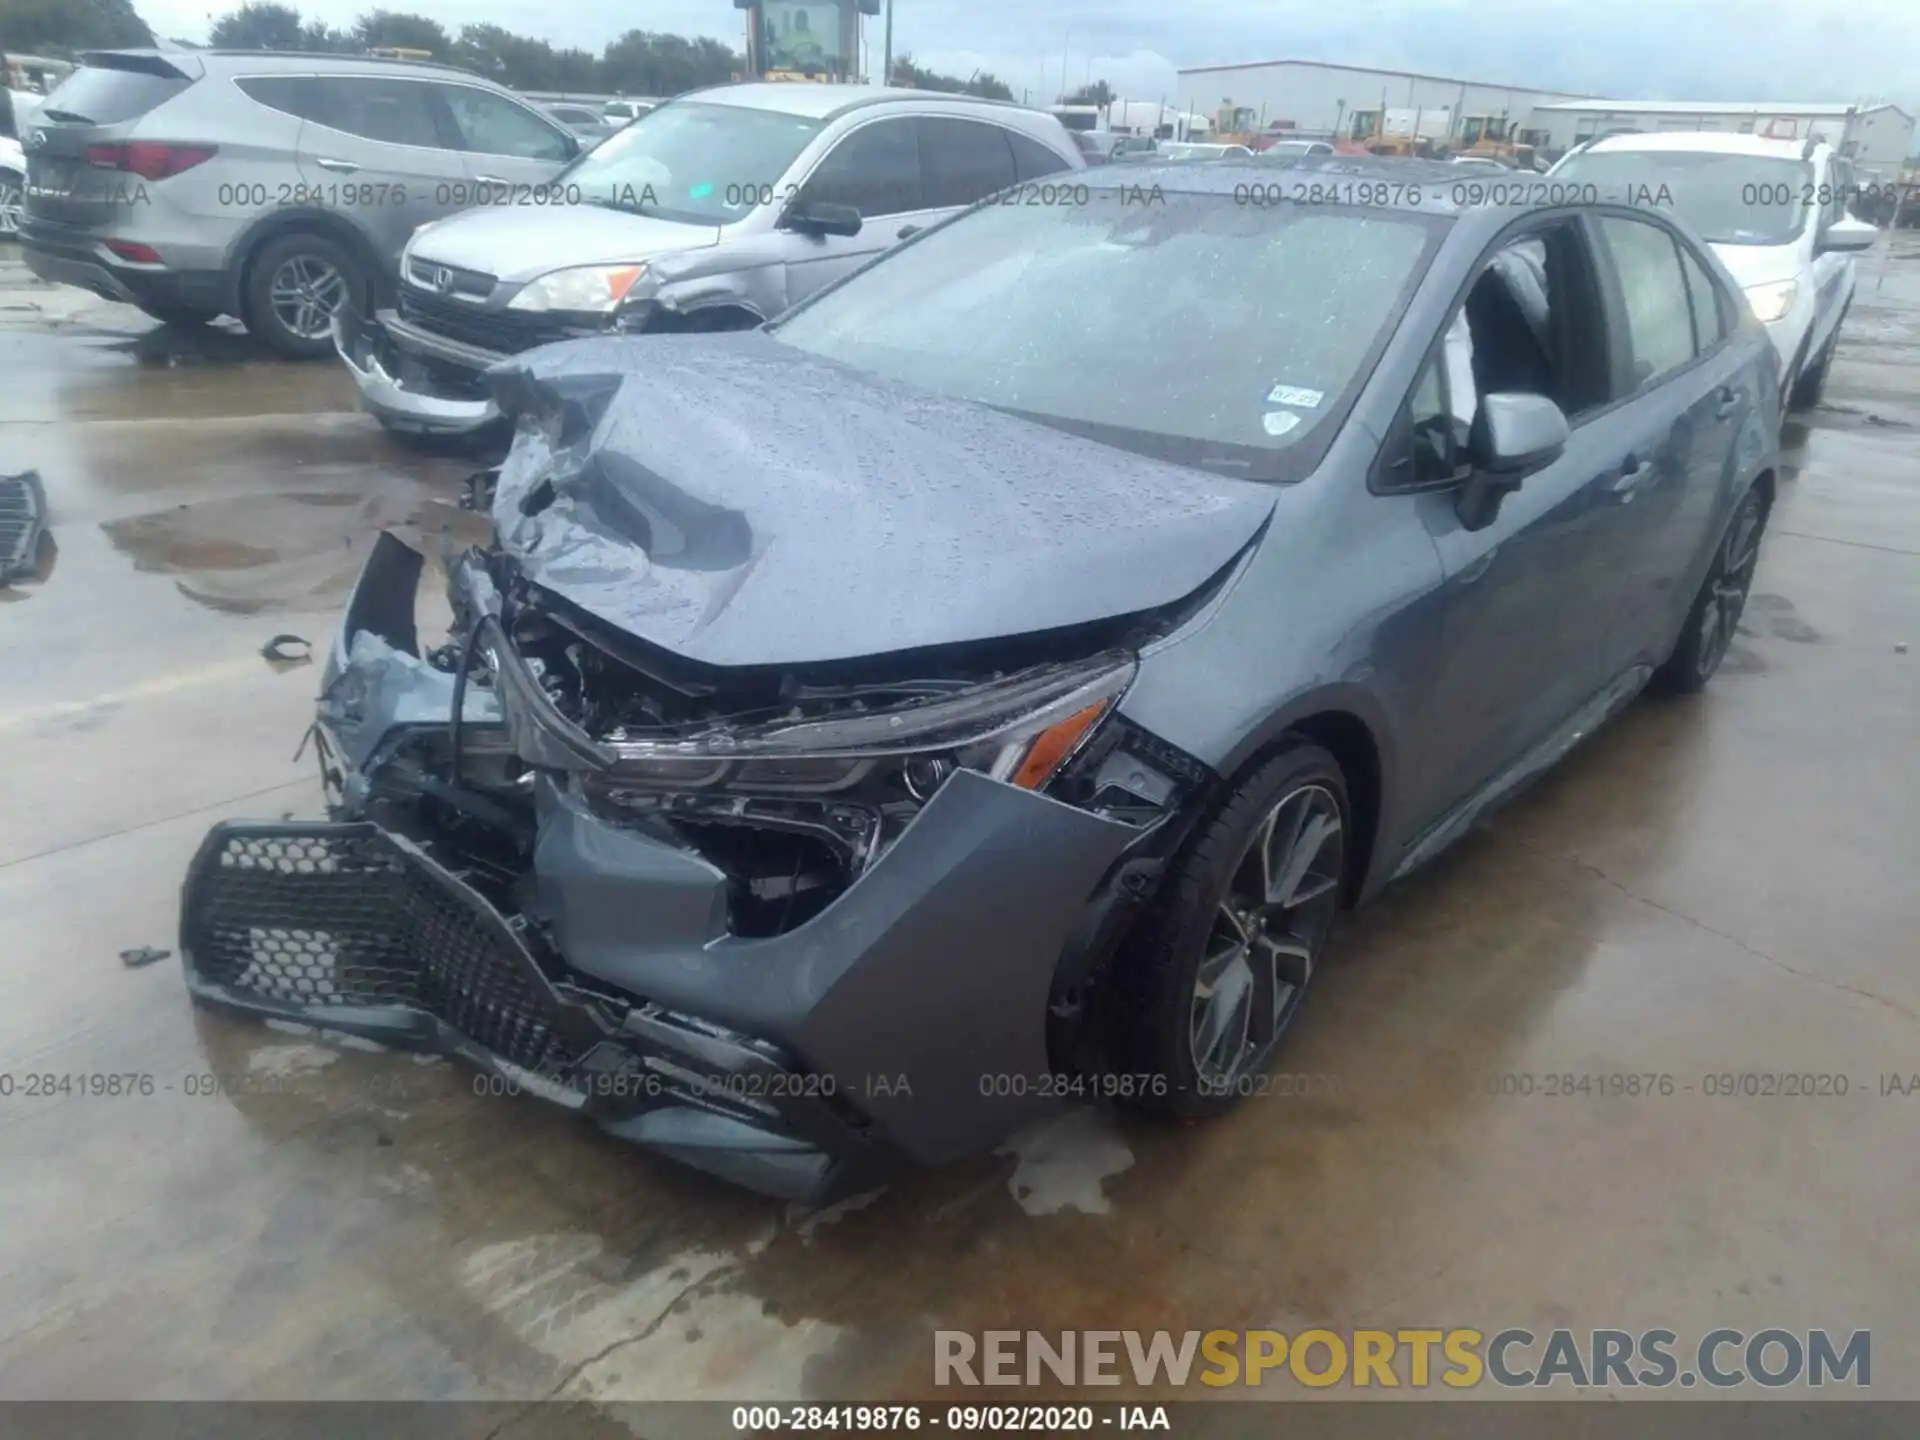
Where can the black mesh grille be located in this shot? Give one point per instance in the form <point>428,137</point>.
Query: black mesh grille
<point>507,331</point>
<point>324,916</point>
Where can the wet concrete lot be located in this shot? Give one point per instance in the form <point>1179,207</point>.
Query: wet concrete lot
<point>1716,887</point>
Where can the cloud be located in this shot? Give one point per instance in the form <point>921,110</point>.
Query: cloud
<point>1815,50</point>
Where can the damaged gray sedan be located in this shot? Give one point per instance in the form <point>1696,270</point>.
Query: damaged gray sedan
<point>979,689</point>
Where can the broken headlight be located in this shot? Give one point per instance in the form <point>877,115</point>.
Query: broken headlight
<point>1019,728</point>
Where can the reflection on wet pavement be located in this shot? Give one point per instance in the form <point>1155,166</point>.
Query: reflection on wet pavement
<point>1721,885</point>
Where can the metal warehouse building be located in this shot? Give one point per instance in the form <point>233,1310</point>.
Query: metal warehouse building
<point>1354,102</point>
<point>1878,137</point>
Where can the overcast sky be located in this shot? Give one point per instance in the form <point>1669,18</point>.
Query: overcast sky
<point>1811,50</point>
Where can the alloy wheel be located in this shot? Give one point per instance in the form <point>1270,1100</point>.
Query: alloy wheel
<point>305,292</point>
<point>1727,588</point>
<point>12,206</point>
<point>1266,933</point>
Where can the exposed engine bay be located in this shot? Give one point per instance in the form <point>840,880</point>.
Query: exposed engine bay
<point>791,781</point>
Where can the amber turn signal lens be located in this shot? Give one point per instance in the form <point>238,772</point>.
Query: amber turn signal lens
<point>1053,746</point>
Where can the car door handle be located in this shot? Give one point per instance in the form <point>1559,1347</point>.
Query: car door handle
<point>907,232</point>
<point>339,167</point>
<point>494,180</point>
<point>1730,399</point>
<point>1634,472</point>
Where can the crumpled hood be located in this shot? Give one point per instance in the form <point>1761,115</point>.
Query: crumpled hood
<point>520,242</point>
<point>739,502</point>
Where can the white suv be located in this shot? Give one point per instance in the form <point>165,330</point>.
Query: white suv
<point>1775,212</point>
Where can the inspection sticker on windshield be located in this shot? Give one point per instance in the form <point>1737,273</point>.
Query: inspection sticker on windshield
<point>1294,395</point>
<point>1279,422</point>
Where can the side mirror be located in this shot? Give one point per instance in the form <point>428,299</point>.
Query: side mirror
<point>1513,435</point>
<point>1846,235</point>
<point>820,217</point>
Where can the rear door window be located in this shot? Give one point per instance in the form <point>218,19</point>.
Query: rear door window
<point>1031,159</point>
<point>292,94</point>
<point>489,124</point>
<point>1653,289</point>
<point>1709,315</point>
<point>111,95</point>
<point>962,161</point>
<point>395,112</point>
<point>876,170</point>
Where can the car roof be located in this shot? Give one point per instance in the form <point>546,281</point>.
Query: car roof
<point>274,62</point>
<point>1705,142</point>
<point>821,101</point>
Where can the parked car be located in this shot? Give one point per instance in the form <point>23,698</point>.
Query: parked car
<point>1775,212</point>
<point>17,109</point>
<point>267,187</point>
<point>583,120</point>
<point>1104,147</point>
<point>1184,150</point>
<point>1094,149</point>
<point>623,112</point>
<point>865,731</point>
<point>1296,149</point>
<point>716,211</point>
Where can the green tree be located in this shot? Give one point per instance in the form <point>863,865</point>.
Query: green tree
<point>320,36</point>
<point>409,32</point>
<point>905,72</point>
<point>520,62</point>
<point>259,25</point>
<point>986,86</point>
<point>643,63</point>
<point>1099,93</point>
<point>61,27</point>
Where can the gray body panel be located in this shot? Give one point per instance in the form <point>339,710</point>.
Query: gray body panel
<point>867,519</point>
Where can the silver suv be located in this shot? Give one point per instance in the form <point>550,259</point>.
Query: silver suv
<point>267,187</point>
<point>714,212</point>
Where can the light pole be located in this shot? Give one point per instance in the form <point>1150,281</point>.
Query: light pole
<point>886,75</point>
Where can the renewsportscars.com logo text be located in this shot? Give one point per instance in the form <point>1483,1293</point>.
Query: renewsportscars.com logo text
<point>1411,1358</point>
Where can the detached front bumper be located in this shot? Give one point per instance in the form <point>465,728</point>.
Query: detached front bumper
<point>401,387</point>
<point>905,1021</point>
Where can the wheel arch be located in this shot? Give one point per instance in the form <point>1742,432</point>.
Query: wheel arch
<point>333,226</point>
<point>1349,724</point>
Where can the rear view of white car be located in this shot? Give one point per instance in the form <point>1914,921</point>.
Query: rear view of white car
<point>1775,212</point>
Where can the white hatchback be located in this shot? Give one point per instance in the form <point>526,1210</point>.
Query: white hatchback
<point>1775,212</point>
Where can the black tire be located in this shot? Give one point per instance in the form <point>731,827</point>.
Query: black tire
<point>1812,382</point>
<point>1715,613</point>
<point>1160,1016</point>
<point>300,252</point>
<point>177,314</point>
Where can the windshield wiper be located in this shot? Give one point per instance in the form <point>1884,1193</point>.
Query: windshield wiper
<point>67,115</point>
